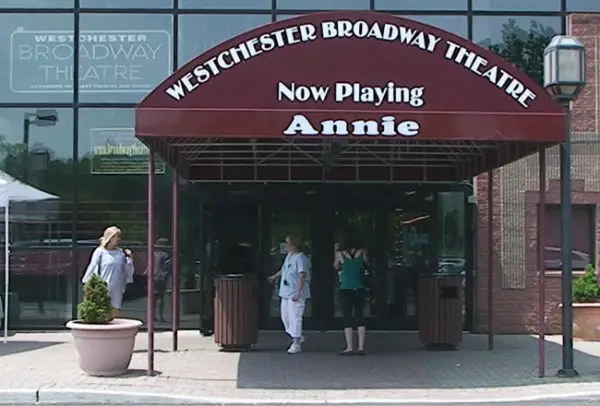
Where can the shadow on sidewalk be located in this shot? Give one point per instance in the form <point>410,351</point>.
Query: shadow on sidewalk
<point>15,347</point>
<point>397,361</point>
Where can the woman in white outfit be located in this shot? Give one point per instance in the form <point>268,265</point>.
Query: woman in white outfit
<point>113,265</point>
<point>294,290</point>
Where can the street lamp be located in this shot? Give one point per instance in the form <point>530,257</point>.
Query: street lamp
<point>41,118</point>
<point>564,77</point>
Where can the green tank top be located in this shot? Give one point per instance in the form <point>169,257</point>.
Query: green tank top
<point>352,270</point>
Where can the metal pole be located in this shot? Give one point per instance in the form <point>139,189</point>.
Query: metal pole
<point>6,265</point>
<point>150,275</point>
<point>26,127</point>
<point>541,218</point>
<point>490,197</point>
<point>175,258</point>
<point>568,369</point>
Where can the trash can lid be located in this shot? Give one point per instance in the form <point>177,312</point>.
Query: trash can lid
<point>231,276</point>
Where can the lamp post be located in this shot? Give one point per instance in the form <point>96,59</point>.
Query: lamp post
<point>41,118</point>
<point>564,77</point>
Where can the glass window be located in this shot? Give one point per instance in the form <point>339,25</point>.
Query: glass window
<point>323,4</point>
<point>281,17</point>
<point>123,56</point>
<point>421,5</point>
<point>36,147</point>
<point>37,4</point>
<point>520,40</point>
<point>126,3</point>
<point>583,5</point>
<point>517,5</point>
<point>583,237</point>
<point>454,24</point>
<point>113,188</point>
<point>198,33</point>
<point>229,4</point>
<point>37,56</point>
<point>451,244</point>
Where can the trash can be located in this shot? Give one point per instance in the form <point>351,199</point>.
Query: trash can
<point>440,311</point>
<point>236,312</point>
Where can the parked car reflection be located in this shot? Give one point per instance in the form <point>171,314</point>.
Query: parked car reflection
<point>553,261</point>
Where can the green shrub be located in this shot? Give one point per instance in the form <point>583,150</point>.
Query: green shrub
<point>95,307</point>
<point>586,288</point>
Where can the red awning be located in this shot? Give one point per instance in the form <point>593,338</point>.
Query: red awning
<point>346,96</point>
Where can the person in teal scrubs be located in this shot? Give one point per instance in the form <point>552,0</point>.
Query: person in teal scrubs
<point>350,263</point>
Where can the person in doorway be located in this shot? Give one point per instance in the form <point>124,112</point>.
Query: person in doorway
<point>113,265</point>
<point>294,290</point>
<point>162,272</point>
<point>350,263</point>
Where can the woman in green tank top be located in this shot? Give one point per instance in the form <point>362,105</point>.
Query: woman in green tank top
<point>350,264</point>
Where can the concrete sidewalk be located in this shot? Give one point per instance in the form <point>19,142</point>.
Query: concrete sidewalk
<point>42,366</point>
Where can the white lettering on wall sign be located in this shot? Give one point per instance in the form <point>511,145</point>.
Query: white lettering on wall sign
<point>376,95</point>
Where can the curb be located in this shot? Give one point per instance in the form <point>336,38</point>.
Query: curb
<point>83,397</point>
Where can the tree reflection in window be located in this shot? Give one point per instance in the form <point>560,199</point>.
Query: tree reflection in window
<point>520,44</point>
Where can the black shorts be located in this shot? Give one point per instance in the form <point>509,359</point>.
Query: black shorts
<point>353,307</point>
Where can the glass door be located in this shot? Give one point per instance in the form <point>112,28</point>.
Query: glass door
<point>406,253</point>
<point>362,223</point>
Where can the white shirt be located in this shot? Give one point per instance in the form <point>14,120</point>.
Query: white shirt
<point>112,266</point>
<point>294,265</point>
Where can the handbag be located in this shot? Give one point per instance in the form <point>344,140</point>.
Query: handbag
<point>366,275</point>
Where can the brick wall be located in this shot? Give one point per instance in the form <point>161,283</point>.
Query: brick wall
<point>514,207</point>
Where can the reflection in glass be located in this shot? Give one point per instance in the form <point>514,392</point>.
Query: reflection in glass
<point>35,161</point>
<point>421,5</point>
<point>583,5</point>
<point>451,249</point>
<point>453,24</point>
<point>112,181</point>
<point>323,4</point>
<point>198,33</point>
<point>126,3</point>
<point>37,3</point>
<point>123,56</point>
<point>520,40</point>
<point>37,58</point>
<point>229,4</point>
<point>282,225</point>
<point>583,237</point>
<point>516,5</point>
<point>451,255</point>
<point>406,251</point>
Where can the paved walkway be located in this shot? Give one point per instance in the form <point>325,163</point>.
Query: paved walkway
<point>396,368</point>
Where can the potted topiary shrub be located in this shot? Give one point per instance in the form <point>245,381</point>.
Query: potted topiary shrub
<point>586,306</point>
<point>104,345</point>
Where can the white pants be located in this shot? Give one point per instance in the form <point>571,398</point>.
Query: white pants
<point>291,316</point>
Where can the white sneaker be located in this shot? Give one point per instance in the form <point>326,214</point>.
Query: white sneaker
<point>302,340</point>
<point>294,349</point>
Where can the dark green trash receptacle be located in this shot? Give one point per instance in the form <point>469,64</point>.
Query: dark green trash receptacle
<point>236,312</point>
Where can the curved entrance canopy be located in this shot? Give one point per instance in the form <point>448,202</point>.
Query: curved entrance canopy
<point>346,96</point>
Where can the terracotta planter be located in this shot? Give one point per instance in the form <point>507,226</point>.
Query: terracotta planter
<point>104,349</point>
<point>586,317</point>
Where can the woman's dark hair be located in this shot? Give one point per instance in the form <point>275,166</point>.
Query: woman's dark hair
<point>350,240</point>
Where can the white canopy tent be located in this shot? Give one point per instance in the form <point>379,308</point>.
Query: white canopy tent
<point>13,190</point>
